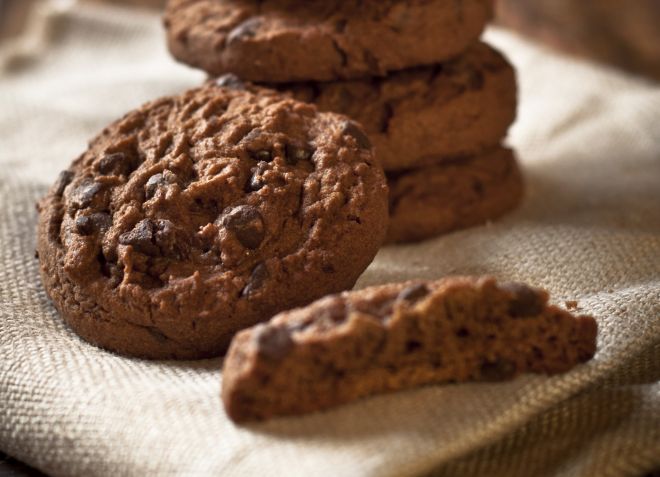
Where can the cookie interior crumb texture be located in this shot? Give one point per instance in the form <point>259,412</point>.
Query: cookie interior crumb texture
<point>200,214</point>
<point>399,336</point>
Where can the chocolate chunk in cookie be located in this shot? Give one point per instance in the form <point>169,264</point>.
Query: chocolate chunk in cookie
<point>414,293</point>
<point>354,131</point>
<point>247,224</point>
<point>94,223</point>
<point>525,301</point>
<point>63,180</point>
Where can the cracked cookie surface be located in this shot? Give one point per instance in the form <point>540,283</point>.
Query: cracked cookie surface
<point>430,201</point>
<point>426,115</point>
<point>200,214</point>
<point>399,336</point>
<point>291,40</point>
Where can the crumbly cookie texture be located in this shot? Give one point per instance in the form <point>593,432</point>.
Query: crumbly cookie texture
<point>399,336</point>
<point>291,40</point>
<point>200,214</point>
<point>424,116</point>
<point>431,201</point>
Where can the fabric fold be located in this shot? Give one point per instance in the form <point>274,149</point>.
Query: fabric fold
<point>588,230</point>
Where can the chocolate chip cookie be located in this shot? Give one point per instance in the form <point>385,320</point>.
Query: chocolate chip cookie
<point>292,40</point>
<point>424,115</point>
<point>395,337</point>
<point>433,200</point>
<point>200,214</point>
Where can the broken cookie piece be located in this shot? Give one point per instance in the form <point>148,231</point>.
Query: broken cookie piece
<point>398,336</point>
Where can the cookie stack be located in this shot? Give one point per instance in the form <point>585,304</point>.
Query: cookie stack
<point>435,101</point>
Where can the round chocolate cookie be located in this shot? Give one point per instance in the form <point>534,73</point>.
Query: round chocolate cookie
<point>434,200</point>
<point>321,40</point>
<point>425,115</point>
<point>200,214</point>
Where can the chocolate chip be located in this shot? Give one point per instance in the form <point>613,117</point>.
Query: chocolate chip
<point>475,80</point>
<point>156,237</point>
<point>295,154</point>
<point>141,238</point>
<point>256,181</point>
<point>372,62</point>
<point>84,194</point>
<point>262,155</point>
<point>478,188</point>
<point>257,278</point>
<point>247,224</point>
<point>157,334</point>
<point>153,184</point>
<point>413,293</point>
<point>247,29</point>
<point>158,181</point>
<point>273,343</point>
<point>116,163</point>
<point>230,81</point>
<point>89,224</point>
<point>352,129</point>
<point>413,345</point>
<point>525,301</point>
<point>498,370</point>
<point>63,180</point>
<point>335,311</point>
<point>462,332</point>
<point>328,268</point>
<point>166,238</point>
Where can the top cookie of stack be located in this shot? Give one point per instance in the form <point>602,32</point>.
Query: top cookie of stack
<point>277,41</point>
<point>435,101</point>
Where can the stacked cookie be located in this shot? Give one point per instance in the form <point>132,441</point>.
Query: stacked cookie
<point>435,101</point>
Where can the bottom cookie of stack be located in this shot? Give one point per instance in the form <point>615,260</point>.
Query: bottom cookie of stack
<point>429,201</point>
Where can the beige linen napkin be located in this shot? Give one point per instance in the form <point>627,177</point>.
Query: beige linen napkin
<point>589,229</point>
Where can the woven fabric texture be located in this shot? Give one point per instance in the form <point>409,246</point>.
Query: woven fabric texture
<point>588,230</point>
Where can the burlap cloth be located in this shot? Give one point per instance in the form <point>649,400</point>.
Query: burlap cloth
<point>589,229</point>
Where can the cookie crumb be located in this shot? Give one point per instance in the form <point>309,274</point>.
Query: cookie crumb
<point>571,304</point>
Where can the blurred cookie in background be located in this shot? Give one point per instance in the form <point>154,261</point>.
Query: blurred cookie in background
<point>624,34</point>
